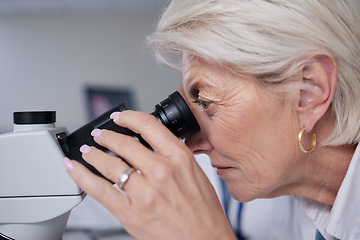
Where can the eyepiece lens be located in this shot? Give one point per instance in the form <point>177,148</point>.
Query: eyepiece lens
<point>175,114</point>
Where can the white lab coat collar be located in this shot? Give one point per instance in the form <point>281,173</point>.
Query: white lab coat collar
<point>342,221</point>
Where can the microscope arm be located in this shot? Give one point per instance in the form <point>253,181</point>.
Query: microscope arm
<point>36,193</point>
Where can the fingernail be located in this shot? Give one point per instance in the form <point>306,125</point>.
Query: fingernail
<point>96,132</point>
<point>115,115</point>
<point>85,149</point>
<point>68,164</point>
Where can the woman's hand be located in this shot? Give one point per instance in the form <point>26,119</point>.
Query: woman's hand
<point>170,199</point>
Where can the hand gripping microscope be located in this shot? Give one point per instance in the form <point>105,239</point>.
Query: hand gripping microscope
<point>36,193</point>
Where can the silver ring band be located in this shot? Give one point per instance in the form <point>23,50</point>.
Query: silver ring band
<point>124,177</point>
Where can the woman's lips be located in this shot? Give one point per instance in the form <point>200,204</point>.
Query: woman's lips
<point>222,170</point>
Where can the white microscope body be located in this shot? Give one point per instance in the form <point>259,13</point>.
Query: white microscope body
<point>36,193</point>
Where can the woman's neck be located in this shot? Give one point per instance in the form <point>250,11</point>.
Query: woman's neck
<point>324,172</point>
<point>319,174</point>
<point>324,169</point>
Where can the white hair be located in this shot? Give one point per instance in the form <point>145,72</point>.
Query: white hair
<point>268,39</point>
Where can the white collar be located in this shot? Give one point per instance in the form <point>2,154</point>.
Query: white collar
<point>341,221</point>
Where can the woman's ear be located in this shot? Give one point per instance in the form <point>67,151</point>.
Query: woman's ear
<point>319,78</point>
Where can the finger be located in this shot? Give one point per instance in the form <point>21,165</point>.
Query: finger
<point>111,167</point>
<point>96,187</point>
<point>150,129</point>
<point>126,147</point>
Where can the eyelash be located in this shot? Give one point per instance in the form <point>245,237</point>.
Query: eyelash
<point>204,104</point>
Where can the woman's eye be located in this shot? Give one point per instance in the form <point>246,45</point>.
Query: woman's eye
<point>204,104</point>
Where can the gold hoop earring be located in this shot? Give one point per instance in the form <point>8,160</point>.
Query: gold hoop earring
<point>313,141</point>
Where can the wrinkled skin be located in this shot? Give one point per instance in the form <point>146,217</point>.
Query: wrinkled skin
<point>248,131</point>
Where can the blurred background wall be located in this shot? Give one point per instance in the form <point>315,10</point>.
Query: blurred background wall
<point>50,51</point>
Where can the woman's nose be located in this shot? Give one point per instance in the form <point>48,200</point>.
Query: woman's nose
<point>198,143</point>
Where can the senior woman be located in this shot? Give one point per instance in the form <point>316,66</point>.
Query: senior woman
<point>275,87</point>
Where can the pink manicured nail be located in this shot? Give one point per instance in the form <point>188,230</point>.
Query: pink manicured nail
<point>115,115</point>
<point>68,164</point>
<point>85,149</point>
<point>96,132</point>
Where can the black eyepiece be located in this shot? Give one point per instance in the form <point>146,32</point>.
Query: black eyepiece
<point>175,114</point>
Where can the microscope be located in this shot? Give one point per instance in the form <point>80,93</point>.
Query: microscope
<point>36,193</point>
